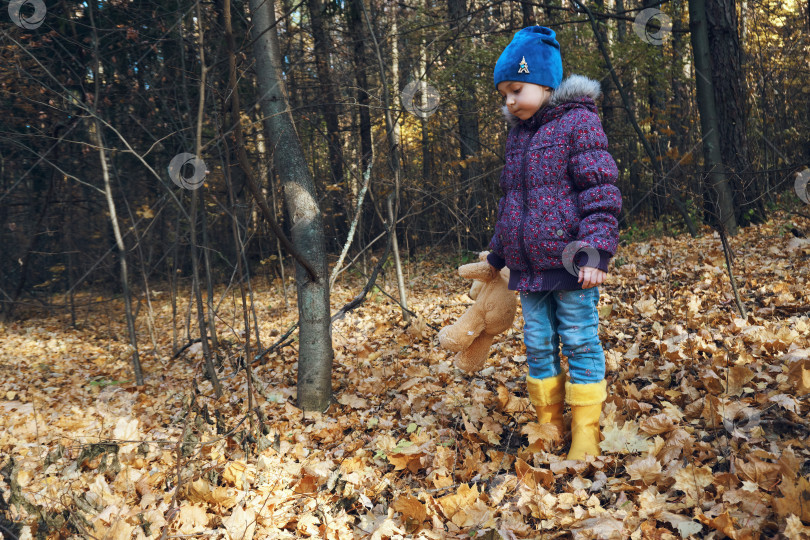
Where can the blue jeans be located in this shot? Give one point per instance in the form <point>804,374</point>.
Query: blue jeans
<point>570,316</point>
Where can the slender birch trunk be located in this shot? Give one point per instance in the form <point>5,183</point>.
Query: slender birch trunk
<point>392,129</point>
<point>96,133</point>
<point>122,254</point>
<point>195,263</point>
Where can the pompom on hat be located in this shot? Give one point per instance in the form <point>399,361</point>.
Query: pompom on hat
<point>532,56</point>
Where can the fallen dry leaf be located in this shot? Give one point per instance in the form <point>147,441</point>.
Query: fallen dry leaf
<point>795,498</point>
<point>241,524</point>
<point>647,470</point>
<point>412,509</point>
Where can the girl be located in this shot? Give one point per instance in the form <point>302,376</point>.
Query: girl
<point>559,211</point>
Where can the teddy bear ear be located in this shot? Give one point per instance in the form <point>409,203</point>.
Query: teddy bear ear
<point>482,256</point>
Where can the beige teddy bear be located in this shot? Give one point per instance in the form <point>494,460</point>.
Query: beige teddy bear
<point>492,313</point>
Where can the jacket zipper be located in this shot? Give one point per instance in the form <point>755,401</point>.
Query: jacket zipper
<point>524,209</point>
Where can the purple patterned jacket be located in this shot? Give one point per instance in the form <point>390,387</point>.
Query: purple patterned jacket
<point>559,188</point>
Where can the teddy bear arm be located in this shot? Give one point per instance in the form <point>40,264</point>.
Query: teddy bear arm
<point>481,271</point>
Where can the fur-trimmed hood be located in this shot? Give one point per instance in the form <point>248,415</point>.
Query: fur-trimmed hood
<point>574,91</point>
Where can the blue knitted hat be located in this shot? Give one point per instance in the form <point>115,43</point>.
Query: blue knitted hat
<point>532,56</point>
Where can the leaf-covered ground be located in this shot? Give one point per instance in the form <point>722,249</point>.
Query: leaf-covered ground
<point>706,430</point>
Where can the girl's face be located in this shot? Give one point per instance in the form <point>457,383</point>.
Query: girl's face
<point>523,99</point>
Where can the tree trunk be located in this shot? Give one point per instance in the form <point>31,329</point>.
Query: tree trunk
<point>551,13</point>
<point>331,112</point>
<point>680,101</point>
<point>392,133</point>
<point>195,263</point>
<point>657,106</point>
<point>403,299</point>
<point>732,116</point>
<point>209,283</point>
<point>290,52</point>
<point>173,267</point>
<point>396,162</point>
<point>718,197</point>
<point>225,10</point>
<point>32,244</point>
<point>528,13</point>
<point>315,332</point>
<point>96,133</point>
<point>122,256</point>
<point>610,110</point>
<point>427,148</point>
<point>621,25</point>
<point>469,142</point>
<point>354,17</point>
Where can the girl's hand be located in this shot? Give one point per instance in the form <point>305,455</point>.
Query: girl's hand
<point>591,277</point>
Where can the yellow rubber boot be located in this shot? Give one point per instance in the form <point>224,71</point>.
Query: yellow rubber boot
<point>586,406</point>
<point>547,397</point>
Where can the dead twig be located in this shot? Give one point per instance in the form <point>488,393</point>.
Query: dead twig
<point>277,345</point>
<point>184,347</point>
